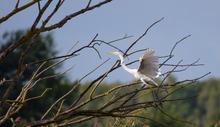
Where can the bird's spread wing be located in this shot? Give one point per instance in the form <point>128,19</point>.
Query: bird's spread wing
<point>149,64</point>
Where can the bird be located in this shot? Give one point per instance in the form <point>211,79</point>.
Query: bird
<point>148,69</point>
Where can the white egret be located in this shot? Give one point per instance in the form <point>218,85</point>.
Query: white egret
<point>148,69</point>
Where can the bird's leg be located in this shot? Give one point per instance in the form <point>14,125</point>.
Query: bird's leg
<point>154,93</point>
<point>147,80</point>
<point>153,82</point>
<point>146,83</point>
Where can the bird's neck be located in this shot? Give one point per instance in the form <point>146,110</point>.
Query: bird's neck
<point>125,67</point>
<point>122,61</point>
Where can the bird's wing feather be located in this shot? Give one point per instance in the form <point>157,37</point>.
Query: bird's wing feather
<point>149,64</point>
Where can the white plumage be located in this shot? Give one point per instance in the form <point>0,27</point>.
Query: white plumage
<point>149,64</point>
<point>148,69</point>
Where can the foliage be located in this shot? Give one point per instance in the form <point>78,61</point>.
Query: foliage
<point>201,110</point>
<point>44,49</point>
<point>30,85</point>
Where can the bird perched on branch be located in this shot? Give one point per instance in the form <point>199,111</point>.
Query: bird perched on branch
<point>148,69</point>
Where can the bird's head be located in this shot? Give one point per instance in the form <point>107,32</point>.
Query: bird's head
<point>117,54</point>
<point>114,53</point>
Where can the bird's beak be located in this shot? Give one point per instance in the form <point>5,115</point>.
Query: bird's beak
<point>111,53</point>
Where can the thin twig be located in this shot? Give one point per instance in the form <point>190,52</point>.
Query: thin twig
<point>16,6</point>
<point>17,10</point>
<point>83,93</point>
<point>171,51</point>
<point>142,35</point>
<point>88,3</point>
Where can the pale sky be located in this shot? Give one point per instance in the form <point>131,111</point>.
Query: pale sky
<point>198,18</point>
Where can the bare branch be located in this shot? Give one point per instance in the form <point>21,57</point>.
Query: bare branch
<point>69,17</point>
<point>18,1</point>
<point>37,31</point>
<point>121,101</point>
<point>40,14</point>
<point>89,3</point>
<point>59,4</point>
<point>176,119</point>
<point>83,93</point>
<point>16,10</point>
<point>171,52</point>
<point>142,35</point>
